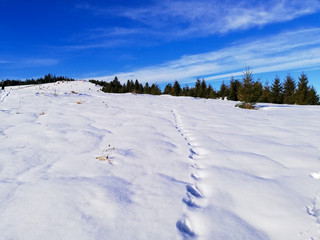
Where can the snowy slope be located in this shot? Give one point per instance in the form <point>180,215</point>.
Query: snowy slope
<point>174,167</point>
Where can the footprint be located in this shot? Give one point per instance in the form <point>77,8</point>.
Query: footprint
<point>193,190</point>
<point>190,201</point>
<point>195,176</point>
<point>184,227</point>
<point>195,166</point>
<point>195,202</point>
<point>193,151</point>
<point>315,209</point>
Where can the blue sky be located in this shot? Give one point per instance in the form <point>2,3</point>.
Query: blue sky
<point>160,41</point>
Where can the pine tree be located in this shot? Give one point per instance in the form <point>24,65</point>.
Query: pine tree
<point>233,90</point>
<point>176,89</point>
<point>192,92</point>
<point>301,96</point>
<point>124,88</point>
<point>146,89</point>
<point>203,89</point>
<point>313,98</point>
<point>115,85</point>
<point>138,87</point>
<point>167,89</point>
<point>211,92</point>
<point>249,92</point>
<point>197,88</point>
<point>155,90</point>
<point>47,78</point>
<point>129,87</point>
<point>224,91</point>
<point>276,91</point>
<point>185,91</point>
<point>289,88</point>
<point>266,94</point>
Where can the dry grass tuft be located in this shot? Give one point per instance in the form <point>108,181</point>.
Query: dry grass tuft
<point>79,102</point>
<point>106,153</point>
<point>104,158</point>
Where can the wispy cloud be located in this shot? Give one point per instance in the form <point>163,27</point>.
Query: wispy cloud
<point>287,51</point>
<point>174,19</point>
<point>31,62</point>
<point>93,45</point>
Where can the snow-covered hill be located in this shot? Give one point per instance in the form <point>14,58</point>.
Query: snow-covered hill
<point>76,163</point>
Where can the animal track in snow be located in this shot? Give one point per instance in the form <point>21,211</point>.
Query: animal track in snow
<point>184,227</point>
<point>314,210</point>
<point>193,190</point>
<point>195,176</point>
<point>194,199</point>
<point>189,201</point>
<point>2,97</point>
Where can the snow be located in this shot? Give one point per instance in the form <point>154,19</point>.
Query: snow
<point>77,163</point>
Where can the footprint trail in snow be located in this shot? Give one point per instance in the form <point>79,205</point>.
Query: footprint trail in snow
<point>315,209</point>
<point>194,199</point>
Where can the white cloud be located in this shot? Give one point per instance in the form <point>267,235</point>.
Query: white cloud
<point>102,44</point>
<point>287,51</point>
<point>32,62</point>
<point>178,19</point>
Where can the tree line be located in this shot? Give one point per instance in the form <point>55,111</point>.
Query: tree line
<point>130,87</point>
<point>246,90</point>
<point>46,79</point>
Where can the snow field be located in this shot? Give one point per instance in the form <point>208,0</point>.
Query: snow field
<point>178,168</point>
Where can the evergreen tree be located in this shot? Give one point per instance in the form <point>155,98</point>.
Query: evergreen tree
<point>301,96</point>
<point>289,88</point>
<point>249,92</point>
<point>47,78</point>
<point>224,91</point>
<point>197,89</point>
<point>138,88</point>
<point>146,89</point>
<point>124,88</point>
<point>155,90</point>
<point>130,86</point>
<point>313,98</point>
<point>176,89</point>
<point>185,91</point>
<point>192,92</point>
<point>203,89</point>
<point>233,89</point>
<point>167,89</point>
<point>115,85</point>
<point>276,91</point>
<point>211,92</point>
<point>266,94</point>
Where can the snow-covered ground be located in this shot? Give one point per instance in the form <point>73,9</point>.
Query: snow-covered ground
<point>76,163</point>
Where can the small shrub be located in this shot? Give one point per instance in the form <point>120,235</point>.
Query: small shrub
<point>245,105</point>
